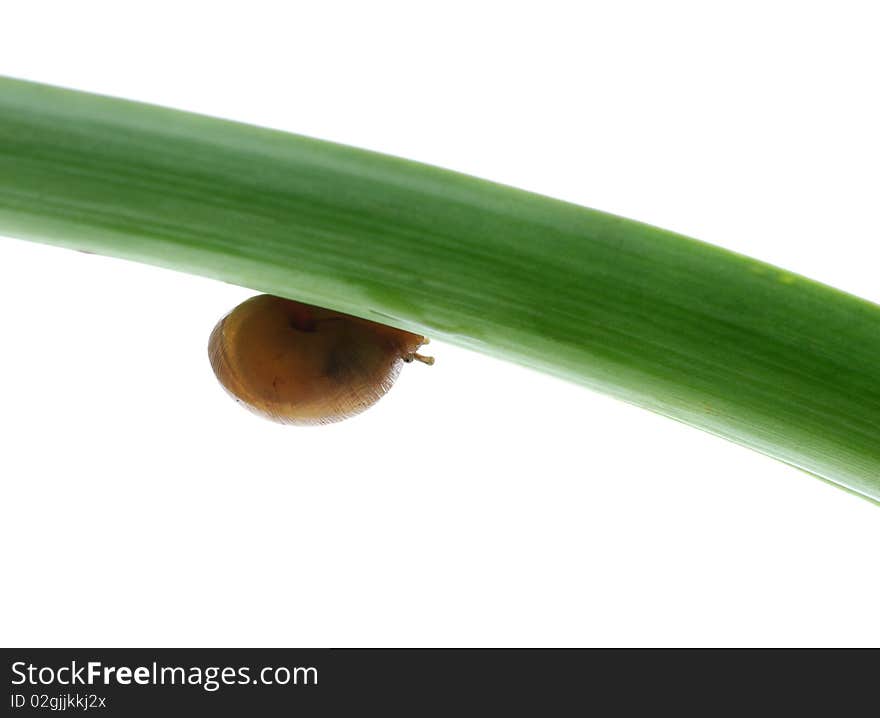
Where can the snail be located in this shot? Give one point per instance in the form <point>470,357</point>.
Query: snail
<point>298,364</point>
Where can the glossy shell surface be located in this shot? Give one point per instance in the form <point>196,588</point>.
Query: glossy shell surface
<point>298,364</point>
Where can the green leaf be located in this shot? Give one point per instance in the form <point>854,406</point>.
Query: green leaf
<point>739,348</point>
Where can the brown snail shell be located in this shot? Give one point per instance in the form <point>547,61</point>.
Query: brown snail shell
<point>299,364</point>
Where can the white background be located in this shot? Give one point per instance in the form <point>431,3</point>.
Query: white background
<point>479,503</point>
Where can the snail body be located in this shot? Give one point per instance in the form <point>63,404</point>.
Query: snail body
<point>298,364</point>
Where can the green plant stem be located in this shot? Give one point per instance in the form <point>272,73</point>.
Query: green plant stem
<point>739,348</point>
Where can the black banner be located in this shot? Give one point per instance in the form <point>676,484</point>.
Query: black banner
<point>260,682</point>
